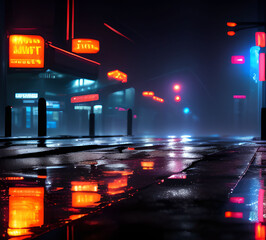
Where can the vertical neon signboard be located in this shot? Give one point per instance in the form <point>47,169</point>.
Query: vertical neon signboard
<point>262,67</point>
<point>238,60</point>
<point>260,39</point>
<point>26,51</point>
<point>254,63</point>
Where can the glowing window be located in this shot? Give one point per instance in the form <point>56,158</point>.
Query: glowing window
<point>85,46</point>
<point>260,39</point>
<point>237,59</point>
<point>117,75</point>
<point>26,51</point>
<point>85,199</point>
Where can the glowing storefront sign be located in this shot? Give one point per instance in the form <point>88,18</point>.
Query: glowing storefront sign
<point>26,51</point>
<point>85,98</point>
<point>85,45</point>
<point>26,95</point>
<point>117,75</point>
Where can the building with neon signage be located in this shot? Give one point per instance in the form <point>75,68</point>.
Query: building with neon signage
<point>75,79</point>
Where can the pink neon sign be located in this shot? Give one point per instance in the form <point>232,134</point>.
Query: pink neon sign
<point>262,67</point>
<point>260,39</point>
<point>239,96</point>
<point>237,59</point>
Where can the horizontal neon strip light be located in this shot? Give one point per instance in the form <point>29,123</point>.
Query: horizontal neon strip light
<point>233,215</point>
<point>72,54</point>
<point>148,94</point>
<point>239,96</point>
<point>85,98</point>
<point>238,60</point>
<point>157,99</point>
<point>237,200</point>
<point>117,32</point>
<point>262,67</point>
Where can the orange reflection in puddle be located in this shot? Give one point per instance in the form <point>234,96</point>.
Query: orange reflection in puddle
<point>116,186</point>
<point>147,165</point>
<point>84,194</point>
<point>26,209</point>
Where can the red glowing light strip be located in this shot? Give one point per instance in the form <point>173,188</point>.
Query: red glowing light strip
<point>240,96</point>
<point>117,32</point>
<point>233,215</point>
<point>260,205</point>
<point>260,39</point>
<point>73,12</point>
<point>157,99</point>
<point>259,231</point>
<point>67,28</point>
<point>262,67</point>
<point>237,200</point>
<point>85,98</point>
<point>75,55</point>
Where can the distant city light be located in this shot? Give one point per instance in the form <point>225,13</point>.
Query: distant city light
<point>262,67</point>
<point>176,87</point>
<point>231,24</point>
<point>158,99</point>
<point>260,39</point>
<point>239,96</point>
<point>117,75</point>
<point>186,110</point>
<point>147,93</point>
<point>238,59</point>
<point>177,98</point>
<point>231,33</point>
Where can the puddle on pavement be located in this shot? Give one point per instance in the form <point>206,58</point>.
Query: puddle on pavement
<point>246,204</point>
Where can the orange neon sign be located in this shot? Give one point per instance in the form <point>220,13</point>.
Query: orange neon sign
<point>26,209</point>
<point>85,199</point>
<point>26,51</point>
<point>81,45</point>
<point>117,75</point>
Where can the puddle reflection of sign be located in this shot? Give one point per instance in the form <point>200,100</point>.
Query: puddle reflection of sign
<point>85,46</point>
<point>26,51</point>
<point>26,209</point>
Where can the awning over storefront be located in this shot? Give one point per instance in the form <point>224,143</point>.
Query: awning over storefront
<point>60,60</point>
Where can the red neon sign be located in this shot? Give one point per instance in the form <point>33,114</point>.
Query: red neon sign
<point>26,51</point>
<point>231,33</point>
<point>85,98</point>
<point>158,99</point>
<point>238,59</point>
<point>238,200</point>
<point>231,24</point>
<point>147,94</point>
<point>117,75</point>
<point>239,96</point>
<point>262,67</point>
<point>85,45</point>
<point>260,39</point>
<point>233,214</point>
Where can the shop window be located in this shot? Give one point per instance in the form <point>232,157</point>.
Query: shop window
<point>98,109</point>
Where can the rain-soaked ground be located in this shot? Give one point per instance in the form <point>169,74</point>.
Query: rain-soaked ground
<point>128,188</point>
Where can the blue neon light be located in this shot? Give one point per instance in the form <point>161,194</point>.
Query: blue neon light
<point>186,110</point>
<point>254,63</point>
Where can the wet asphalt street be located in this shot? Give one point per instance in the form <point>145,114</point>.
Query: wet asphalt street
<point>133,188</point>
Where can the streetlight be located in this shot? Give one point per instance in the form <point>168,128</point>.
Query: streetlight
<point>260,41</point>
